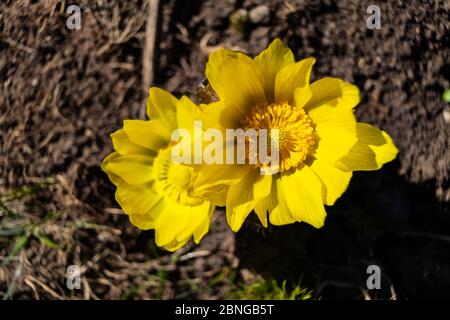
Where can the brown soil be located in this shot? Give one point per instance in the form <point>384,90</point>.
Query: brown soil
<point>62,92</point>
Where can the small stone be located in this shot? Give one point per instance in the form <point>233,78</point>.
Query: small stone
<point>259,14</point>
<point>239,20</point>
<point>446,115</point>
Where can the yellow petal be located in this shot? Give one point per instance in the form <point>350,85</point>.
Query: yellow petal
<point>334,180</point>
<point>123,145</point>
<point>302,96</point>
<point>136,199</point>
<point>270,62</point>
<point>290,78</point>
<point>114,178</point>
<point>373,149</point>
<point>235,78</point>
<point>147,221</point>
<point>279,215</point>
<point>215,115</point>
<point>301,192</point>
<point>187,228</point>
<point>179,223</point>
<point>336,130</point>
<point>187,113</point>
<point>133,168</point>
<point>333,92</point>
<point>244,195</point>
<point>173,220</point>
<point>239,202</point>
<point>203,228</point>
<point>261,211</point>
<point>147,134</point>
<point>262,186</point>
<point>162,105</point>
<point>266,204</point>
<point>199,217</point>
<point>216,194</point>
<point>211,176</point>
<point>175,245</point>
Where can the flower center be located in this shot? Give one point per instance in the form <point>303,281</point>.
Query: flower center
<point>173,179</point>
<point>296,137</point>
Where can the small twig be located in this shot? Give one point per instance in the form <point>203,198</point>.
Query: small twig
<point>15,44</point>
<point>425,235</point>
<point>33,288</point>
<point>150,43</point>
<point>45,288</point>
<point>17,274</point>
<point>194,254</point>
<point>206,49</point>
<point>366,295</point>
<point>393,293</point>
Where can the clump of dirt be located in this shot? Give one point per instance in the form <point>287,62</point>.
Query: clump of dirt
<point>63,92</point>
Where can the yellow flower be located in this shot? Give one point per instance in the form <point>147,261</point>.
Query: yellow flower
<point>154,191</point>
<point>320,141</point>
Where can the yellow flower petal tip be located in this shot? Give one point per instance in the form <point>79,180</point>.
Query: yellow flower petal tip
<point>152,190</point>
<point>319,141</point>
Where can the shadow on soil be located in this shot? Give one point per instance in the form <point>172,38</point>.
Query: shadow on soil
<point>380,220</point>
